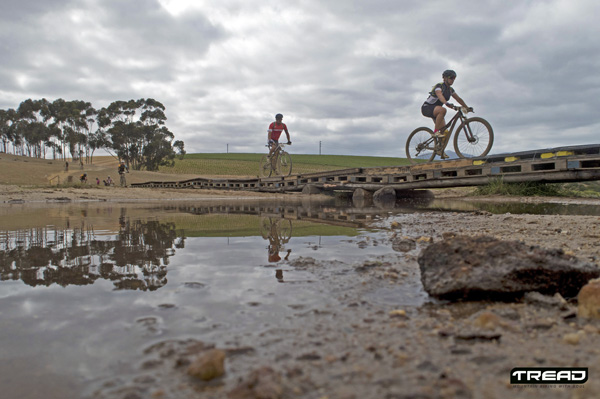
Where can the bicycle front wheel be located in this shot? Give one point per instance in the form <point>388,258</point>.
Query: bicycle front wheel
<point>474,138</point>
<point>420,145</point>
<point>284,163</point>
<point>265,169</point>
<point>285,230</point>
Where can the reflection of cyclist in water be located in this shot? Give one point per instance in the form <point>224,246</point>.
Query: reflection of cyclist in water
<point>276,242</point>
<point>278,231</point>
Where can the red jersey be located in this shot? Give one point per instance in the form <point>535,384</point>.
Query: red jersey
<point>276,129</point>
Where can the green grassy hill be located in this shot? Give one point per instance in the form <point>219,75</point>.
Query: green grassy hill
<point>238,164</point>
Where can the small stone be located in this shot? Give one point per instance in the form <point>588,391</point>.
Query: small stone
<point>208,365</point>
<point>573,338</point>
<point>398,313</point>
<point>589,300</point>
<point>487,320</point>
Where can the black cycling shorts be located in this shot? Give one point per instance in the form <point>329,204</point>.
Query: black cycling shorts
<point>427,110</point>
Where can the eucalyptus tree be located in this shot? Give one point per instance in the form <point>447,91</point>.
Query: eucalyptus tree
<point>179,145</point>
<point>136,132</point>
<point>31,128</point>
<point>7,128</point>
<point>97,140</point>
<point>72,123</point>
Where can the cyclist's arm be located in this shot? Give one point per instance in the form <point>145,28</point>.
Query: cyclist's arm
<point>440,96</point>
<point>459,100</point>
<point>287,134</point>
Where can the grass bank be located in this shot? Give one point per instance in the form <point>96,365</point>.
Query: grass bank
<point>236,164</point>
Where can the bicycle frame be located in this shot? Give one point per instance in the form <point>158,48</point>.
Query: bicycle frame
<point>279,149</point>
<point>459,116</point>
<point>452,124</point>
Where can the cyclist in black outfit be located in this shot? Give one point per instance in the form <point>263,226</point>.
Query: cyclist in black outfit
<point>439,95</point>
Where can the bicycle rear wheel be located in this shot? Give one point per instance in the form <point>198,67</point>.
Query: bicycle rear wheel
<point>265,227</point>
<point>474,138</point>
<point>284,163</point>
<point>420,145</point>
<point>265,169</point>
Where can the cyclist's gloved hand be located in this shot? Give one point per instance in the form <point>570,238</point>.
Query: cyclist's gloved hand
<point>450,105</point>
<point>289,142</point>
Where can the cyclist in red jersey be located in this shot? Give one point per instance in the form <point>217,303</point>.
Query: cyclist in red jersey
<point>275,129</point>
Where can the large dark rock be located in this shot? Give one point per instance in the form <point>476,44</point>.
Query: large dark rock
<point>362,198</point>
<point>385,197</point>
<point>484,267</point>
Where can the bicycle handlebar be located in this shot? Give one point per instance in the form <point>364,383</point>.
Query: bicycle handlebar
<point>463,109</point>
<point>288,143</point>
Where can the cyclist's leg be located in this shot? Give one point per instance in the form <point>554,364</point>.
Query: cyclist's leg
<point>439,114</point>
<point>272,146</point>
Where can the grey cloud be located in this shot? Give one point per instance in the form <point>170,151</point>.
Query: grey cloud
<point>351,74</point>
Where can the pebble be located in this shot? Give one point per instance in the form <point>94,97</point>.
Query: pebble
<point>209,365</point>
<point>588,300</point>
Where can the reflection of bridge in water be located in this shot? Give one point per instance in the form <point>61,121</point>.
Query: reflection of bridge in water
<point>565,164</point>
<point>326,212</point>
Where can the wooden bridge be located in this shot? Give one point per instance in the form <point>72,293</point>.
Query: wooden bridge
<point>553,165</point>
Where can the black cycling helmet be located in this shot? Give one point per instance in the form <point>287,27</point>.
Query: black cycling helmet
<point>449,73</point>
<point>278,116</point>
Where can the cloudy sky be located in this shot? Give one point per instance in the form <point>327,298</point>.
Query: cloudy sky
<point>351,74</point>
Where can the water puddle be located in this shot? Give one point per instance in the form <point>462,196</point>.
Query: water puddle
<point>86,287</point>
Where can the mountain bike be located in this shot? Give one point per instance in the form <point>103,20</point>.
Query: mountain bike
<point>473,138</point>
<point>280,163</point>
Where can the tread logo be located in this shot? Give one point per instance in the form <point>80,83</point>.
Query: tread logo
<point>549,375</point>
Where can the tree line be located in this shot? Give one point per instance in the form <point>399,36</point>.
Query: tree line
<point>133,130</point>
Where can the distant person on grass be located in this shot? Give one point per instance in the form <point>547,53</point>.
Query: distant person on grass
<point>122,168</point>
<point>83,178</point>
<point>275,129</point>
<point>433,107</point>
